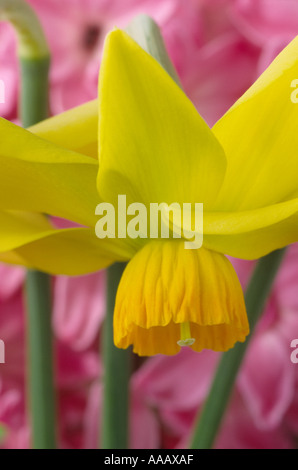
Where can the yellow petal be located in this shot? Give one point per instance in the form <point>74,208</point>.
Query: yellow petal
<point>252,234</point>
<point>260,139</point>
<point>173,286</point>
<point>75,129</point>
<point>246,234</point>
<point>19,228</point>
<point>72,252</point>
<point>10,257</point>
<point>38,176</point>
<point>153,145</point>
<point>257,243</point>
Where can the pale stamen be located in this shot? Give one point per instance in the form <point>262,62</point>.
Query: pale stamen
<point>185,335</point>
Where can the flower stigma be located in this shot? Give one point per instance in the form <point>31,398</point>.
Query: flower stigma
<point>185,335</point>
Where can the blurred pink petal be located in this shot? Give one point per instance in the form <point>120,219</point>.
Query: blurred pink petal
<point>222,71</point>
<point>8,72</point>
<point>267,380</point>
<point>178,382</point>
<point>240,432</point>
<point>79,308</point>
<point>144,426</point>
<point>11,279</point>
<point>261,20</point>
<point>12,333</point>
<point>13,418</point>
<point>75,368</point>
<point>76,31</point>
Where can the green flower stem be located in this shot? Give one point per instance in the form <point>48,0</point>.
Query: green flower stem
<point>214,408</point>
<point>34,60</point>
<point>40,361</point>
<point>117,363</point>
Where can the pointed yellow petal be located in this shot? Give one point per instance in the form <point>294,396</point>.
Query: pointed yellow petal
<point>260,138</point>
<point>153,145</point>
<point>247,234</point>
<point>74,252</point>
<point>257,243</point>
<point>75,129</point>
<point>19,228</point>
<point>39,176</point>
<point>252,234</point>
<point>10,257</point>
<point>30,240</point>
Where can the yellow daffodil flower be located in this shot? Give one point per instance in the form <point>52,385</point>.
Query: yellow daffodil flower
<point>154,147</point>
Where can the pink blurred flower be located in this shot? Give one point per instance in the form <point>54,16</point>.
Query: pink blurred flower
<point>9,71</point>
<point>75,371</point>
<point>76,29</point>
<point>11,280</point>
<point>144,432</point>
<point>79,307</point>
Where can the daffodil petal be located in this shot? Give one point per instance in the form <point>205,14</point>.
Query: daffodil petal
<point>74,251</point>
<point>247,221</point>
<point>19,228</point>
<point>38,176</point>
<point>10,257</point>
<point>257,243</point>
<point>247,234</point>
<point>153,145</point>
<point>75,129</point>
<point>260,139</point>
<point>230,223</point>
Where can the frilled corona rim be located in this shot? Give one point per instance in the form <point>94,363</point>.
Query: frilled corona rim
<point>170,295</point>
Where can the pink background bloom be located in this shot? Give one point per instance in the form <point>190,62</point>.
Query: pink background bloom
<point>219,47</point>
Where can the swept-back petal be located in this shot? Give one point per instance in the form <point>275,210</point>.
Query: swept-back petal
<point>260,138</point>
<point>244,234</point>
<point>153,145</point>
<point>30,240</point>
<point>39,176</point>
<point>256,243</point>
<point>75,129</point>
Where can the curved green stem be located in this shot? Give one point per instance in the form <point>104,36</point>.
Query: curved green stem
<point>32,43</point>
<point>214,408</point>
<point>34,90</point>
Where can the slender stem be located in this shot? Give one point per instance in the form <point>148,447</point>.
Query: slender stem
<point>34,60</point>
<point>117,362</point>
<point>40,361</point>
<point>116,375</point>
<point>214,408</point>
